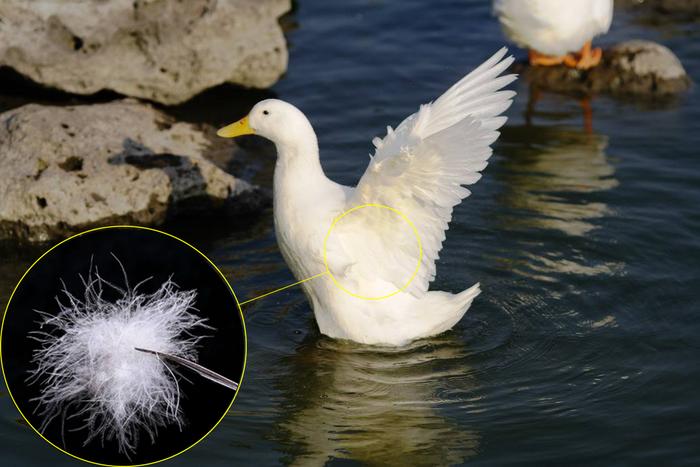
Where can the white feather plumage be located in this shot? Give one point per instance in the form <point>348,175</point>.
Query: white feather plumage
<point>553,27</point>
<point>86,361</point>
<point>420,169</point>
<point>433,153</point>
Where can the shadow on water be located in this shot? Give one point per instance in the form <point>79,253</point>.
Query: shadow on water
<point>16,258</point>
<point>347,401</point>
<point>25,91</point>
<point>216,106</point>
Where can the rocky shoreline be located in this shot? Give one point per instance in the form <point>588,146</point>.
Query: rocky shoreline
<point>70,168</point>
<point>162,51</point>
<point>67,169</point>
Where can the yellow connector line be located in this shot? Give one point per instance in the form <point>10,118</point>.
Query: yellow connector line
<point>284,288</point>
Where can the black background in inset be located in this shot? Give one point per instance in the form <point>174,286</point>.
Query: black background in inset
<point>144,254</point>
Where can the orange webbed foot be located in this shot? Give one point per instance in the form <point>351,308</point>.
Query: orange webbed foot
<point>586,59</point>
<point>539,59</point>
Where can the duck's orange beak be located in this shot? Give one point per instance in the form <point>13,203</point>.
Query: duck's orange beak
<point>240,128</point>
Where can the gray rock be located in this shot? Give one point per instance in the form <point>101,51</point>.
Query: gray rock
<point>645,58</point>
<point>163,50</point>
<point>66,169</point>
<point>633,68</point>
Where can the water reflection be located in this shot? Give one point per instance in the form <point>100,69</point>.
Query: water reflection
<point>546,172</point>
<point>554,180</point>
<point>535,95</point>
<point>378,407</point>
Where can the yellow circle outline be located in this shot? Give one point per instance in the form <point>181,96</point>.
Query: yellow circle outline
<point>381,206</point>
<point>240,312</point>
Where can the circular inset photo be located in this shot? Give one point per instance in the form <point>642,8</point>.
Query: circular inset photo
<point>123,346</point>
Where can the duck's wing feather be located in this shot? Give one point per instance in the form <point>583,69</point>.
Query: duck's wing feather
<point>420,169</point>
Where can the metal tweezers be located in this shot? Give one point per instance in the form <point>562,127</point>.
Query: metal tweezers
<point>202,371</point>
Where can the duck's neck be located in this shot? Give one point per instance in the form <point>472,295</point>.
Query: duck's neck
<point>298,172</point>
<point>300,157</point>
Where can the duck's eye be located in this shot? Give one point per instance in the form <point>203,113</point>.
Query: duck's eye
<point>266,112</point>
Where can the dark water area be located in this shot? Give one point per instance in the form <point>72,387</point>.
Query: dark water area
<point>583,347</point>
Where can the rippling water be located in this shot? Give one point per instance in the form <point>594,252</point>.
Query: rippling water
<point>583,347</point>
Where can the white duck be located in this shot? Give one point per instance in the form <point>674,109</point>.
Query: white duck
<point>417,169</point>
<point>556,31</point>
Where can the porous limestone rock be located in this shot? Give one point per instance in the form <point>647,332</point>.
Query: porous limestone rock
<point>65,169</point>
<point>162,50</point>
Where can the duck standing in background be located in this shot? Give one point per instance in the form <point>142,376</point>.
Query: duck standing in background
<point>556,31</point>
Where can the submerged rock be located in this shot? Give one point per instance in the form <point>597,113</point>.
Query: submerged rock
<point>66,169</point>
<point>632,68</point>
<point>160,50</point>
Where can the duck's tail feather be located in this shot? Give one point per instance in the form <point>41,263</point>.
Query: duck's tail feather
<point>449,308</point>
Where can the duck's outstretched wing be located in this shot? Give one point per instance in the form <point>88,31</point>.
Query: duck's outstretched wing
<point>419,169</point>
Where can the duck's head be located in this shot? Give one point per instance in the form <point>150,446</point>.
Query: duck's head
<point>276,120</point>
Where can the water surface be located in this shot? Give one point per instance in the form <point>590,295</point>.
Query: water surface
<point>582,348</point>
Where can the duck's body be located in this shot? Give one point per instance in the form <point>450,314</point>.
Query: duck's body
<point>555,28</point>
<point>417,169</point>
<point>300,235</point>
